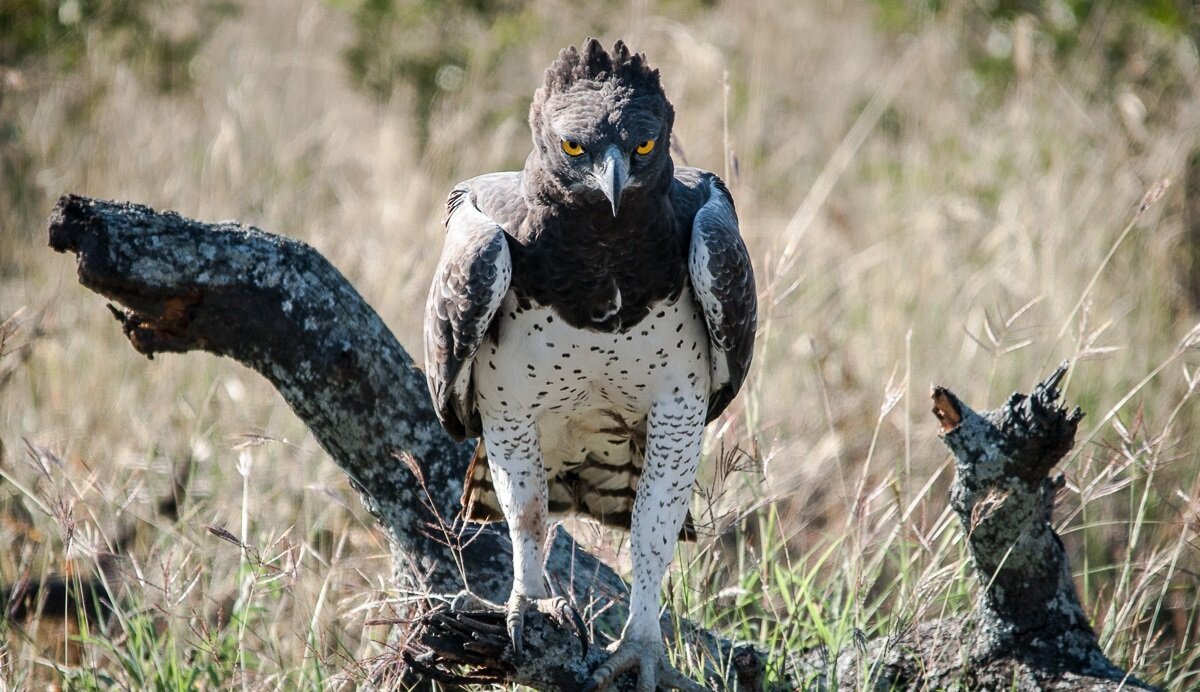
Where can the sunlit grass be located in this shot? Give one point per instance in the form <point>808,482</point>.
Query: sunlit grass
<point>911,223</point>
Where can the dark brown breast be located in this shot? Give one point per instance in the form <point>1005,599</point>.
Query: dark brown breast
<point>598,272</point>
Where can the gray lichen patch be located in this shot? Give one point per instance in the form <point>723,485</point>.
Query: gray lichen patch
<point>1028,609</point>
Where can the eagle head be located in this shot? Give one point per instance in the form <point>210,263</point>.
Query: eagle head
<point>602,127</point>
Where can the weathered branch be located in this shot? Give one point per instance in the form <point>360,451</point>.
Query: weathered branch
<point>277,306</point>
<point>1004,500</point>
<point>1028,630</point>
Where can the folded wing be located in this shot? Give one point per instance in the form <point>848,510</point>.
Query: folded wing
<point>723,282</point>
<point>472,277</point>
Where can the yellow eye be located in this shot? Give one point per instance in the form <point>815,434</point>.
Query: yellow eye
<point>572,148</point>
<point>646,147</point>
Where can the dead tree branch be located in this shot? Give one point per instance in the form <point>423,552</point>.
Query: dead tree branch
<point>280,308</point>
<point>1028,630</point>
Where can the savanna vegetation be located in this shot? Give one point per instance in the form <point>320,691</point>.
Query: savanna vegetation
<point>933,191</point>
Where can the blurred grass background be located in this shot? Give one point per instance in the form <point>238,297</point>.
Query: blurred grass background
<point>933,192</point>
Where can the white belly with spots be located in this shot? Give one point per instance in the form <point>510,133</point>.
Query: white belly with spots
<point>572,380</point>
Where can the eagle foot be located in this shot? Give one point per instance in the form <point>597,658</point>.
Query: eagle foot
<point>557,609</point>
<point>650,662</point>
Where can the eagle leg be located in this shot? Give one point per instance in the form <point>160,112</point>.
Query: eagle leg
<point>514,456</point>
<point>675,430</point>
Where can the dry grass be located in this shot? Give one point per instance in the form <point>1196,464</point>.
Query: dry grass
<point>910,224</point>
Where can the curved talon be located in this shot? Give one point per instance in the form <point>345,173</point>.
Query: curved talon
<point>565,614</point>
<point>557,609</point>
<point>514,619</point>
<point>621,659</point>
<point>653,668</point>
<point>581,630</point>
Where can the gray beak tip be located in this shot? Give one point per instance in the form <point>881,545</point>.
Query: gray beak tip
<point>612,174</point>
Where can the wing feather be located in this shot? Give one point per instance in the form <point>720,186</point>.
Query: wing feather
<point>472,277</point>
<point>723,282</point>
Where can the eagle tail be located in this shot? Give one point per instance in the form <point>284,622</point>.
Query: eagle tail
<point>581,488</point>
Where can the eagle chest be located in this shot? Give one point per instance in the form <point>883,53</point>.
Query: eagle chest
<point>600,274</point>
<point>588,387</point>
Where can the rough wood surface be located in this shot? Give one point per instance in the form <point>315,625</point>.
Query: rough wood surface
<point>1028,630</point>
<point>279,307</point>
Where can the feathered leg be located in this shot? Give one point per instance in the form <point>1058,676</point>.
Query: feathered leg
<point>519,478</point>
<point>674,435</point>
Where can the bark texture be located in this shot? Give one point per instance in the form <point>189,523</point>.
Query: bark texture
<point>1028,630</point>
<point>279,307</point>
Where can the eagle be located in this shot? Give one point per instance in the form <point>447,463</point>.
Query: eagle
<point>589,315</point>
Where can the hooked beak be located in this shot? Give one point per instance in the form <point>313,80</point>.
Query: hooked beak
<point>612,172</point>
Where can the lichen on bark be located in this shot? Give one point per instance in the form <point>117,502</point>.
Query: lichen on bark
<point>1028,630</point>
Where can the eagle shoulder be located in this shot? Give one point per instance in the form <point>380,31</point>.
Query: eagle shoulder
<point>472,277</point>
<point>722,280</point>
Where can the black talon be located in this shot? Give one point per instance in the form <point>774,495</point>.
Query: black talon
<point>516,636</point>
<point>580,627</point>
<point>514,620</point>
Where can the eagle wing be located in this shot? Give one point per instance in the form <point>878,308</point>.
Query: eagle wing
<point>723,282</point>
<point>472,277</point>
